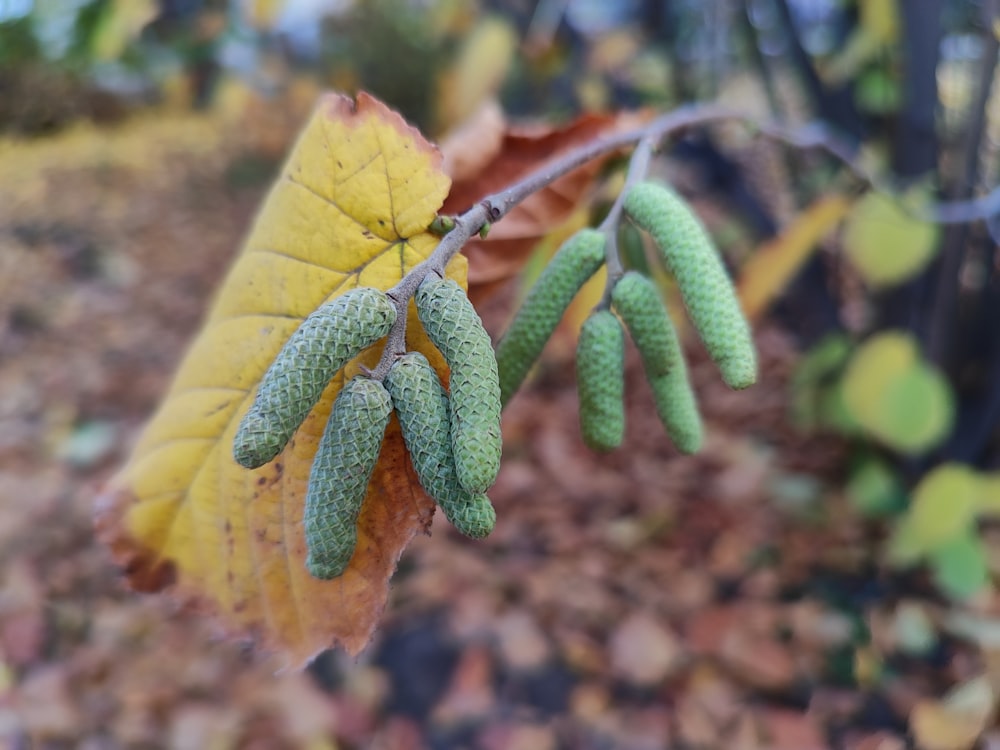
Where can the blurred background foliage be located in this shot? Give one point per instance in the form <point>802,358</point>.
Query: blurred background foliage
<point>895,315</point>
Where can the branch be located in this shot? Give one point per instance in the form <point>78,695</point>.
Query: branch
<point>637,169</point>
<point>496,206</point>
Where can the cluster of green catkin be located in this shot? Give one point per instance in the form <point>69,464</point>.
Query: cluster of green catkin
<point>453,440</point>
<point>688,253</point>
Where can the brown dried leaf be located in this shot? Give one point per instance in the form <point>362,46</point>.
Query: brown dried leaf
<point>522,150</point>
<point>643,651</point>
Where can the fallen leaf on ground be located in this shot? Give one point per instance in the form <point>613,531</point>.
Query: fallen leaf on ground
<point>643,651</point>
<point>790,730</point>
<point>349,209</point>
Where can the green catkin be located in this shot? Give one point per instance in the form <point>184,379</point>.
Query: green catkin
<point>341,470</point>
<point>422,408</point>
<point>575,262</point>
<point>454,327</point>
<point>637,301</point>
<point>600,378</point>
<point>326,341</point>
<point>708,294</point>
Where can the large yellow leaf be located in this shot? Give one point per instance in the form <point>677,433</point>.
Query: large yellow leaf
<point>349,208</point>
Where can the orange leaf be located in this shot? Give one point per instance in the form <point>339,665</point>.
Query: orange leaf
<point>520,150</point>
<point>349,208</point>
<point>773,266</point>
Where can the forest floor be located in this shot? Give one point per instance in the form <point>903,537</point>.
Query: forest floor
<point>633,600</point>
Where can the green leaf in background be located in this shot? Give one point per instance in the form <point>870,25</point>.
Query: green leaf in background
<point>120,24</point>
<point>989,495</point>
<point>916,412</point>
<point>815,377</point>
<point>877,92</point>
<point>875,490</point>
<point>960,566</point>
<point>944,505</point>
<point>943,509</point>
<point>895,396</point>
<point>885,242</point>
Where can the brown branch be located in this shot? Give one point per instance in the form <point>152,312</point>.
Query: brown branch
<point>496,206</point>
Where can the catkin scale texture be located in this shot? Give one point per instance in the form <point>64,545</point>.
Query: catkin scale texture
<point>637,301</point>
<point>326,341</point>
<point>455,328</point>
<point>600,377</point>
<point>573,264</point>
<point>422,408</point>
<point>341,470</point>
<point>708,294</point>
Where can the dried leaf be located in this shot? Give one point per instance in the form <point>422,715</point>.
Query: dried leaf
<point>643,651</point>
<point>523,150</point>
<point>349,208</point>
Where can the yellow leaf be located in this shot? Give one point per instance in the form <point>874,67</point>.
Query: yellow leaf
<point>875,365</point>
<point>880,18</point>
<point>349,208</point>
<point>478,72</point>
<point>773,266</point>
<point>955,722</point>
<point>263,14</point>
<point>120,24</point>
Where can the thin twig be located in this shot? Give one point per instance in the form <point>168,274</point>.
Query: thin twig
<point>496,206</point>
<point>638,168</point>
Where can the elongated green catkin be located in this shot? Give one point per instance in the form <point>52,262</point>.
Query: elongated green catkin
<point>326,341</point>
<point>600,379</point>
<point>576,261</point>
<point>422,408</point>
<point>705,287</point>
<point>341,470</point>
<point>454,327</point>
<point>637,301</point>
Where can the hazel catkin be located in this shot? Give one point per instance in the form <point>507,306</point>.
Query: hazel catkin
<point>455,328</point>
<point>422,408</point>
<point>326,341</point>
<point>543,307</point>
<point>636,299</point>
<point>600,377</point>
<point>341,470</point>
<point>708,293</point>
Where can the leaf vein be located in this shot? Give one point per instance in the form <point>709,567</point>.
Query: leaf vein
<point>327,199</point>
